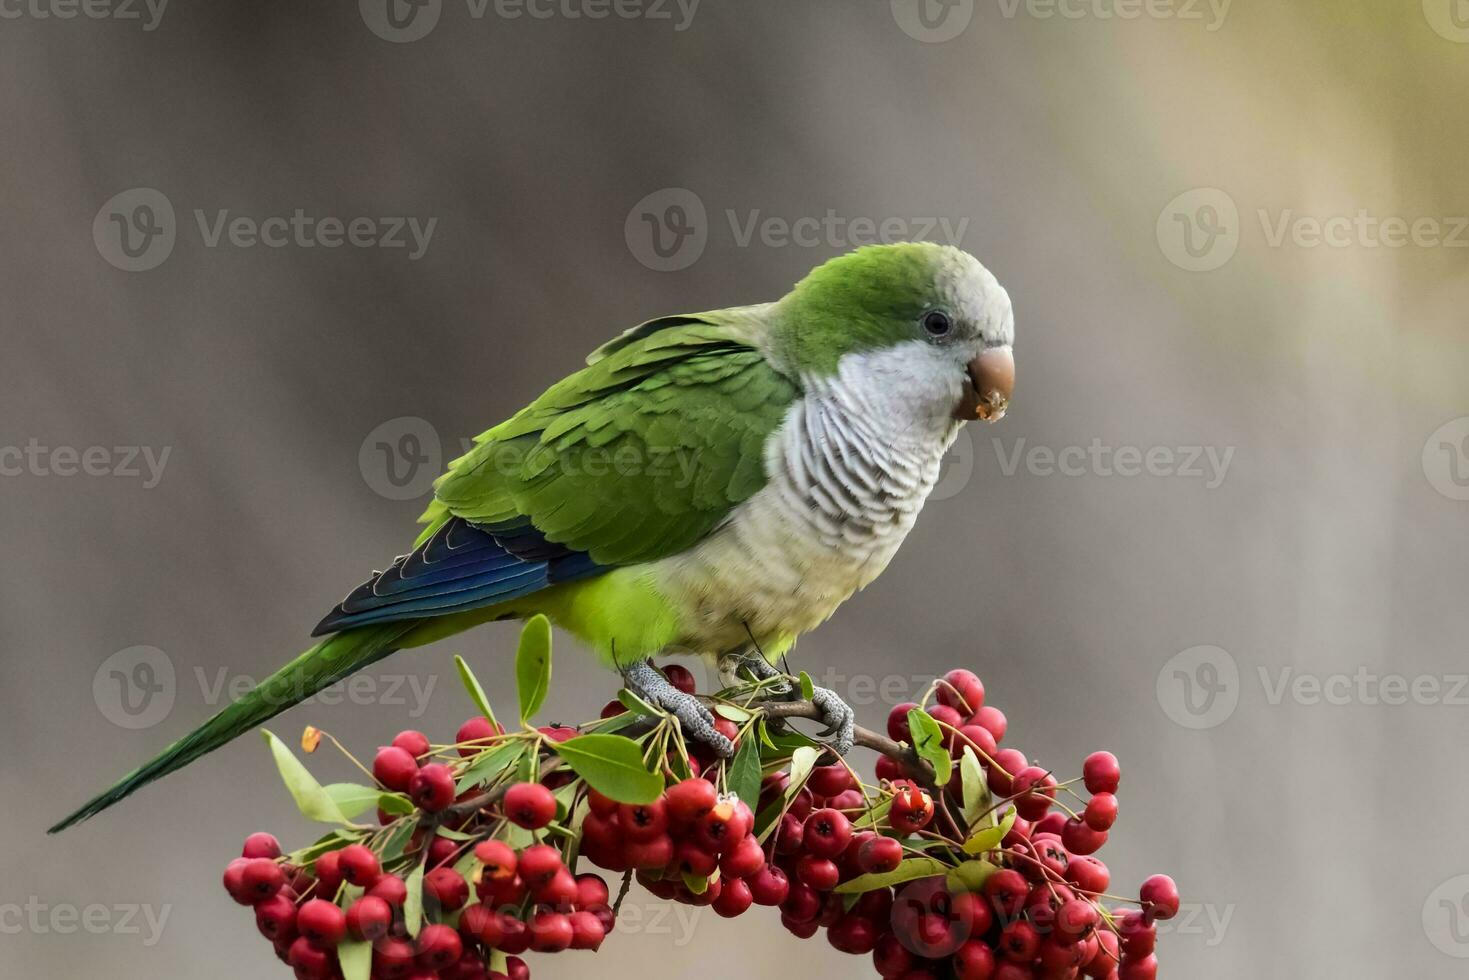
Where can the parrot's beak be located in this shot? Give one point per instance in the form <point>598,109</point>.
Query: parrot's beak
<point>987,389</point>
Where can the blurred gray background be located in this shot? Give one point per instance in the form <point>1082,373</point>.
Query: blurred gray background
<point>1274,647</point>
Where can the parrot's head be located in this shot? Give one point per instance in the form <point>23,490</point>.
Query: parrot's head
<point>928,318</point>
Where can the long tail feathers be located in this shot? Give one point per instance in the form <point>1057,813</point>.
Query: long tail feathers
<point>327,662</point>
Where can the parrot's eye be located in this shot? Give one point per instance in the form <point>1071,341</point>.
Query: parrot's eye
<point>936,323</point>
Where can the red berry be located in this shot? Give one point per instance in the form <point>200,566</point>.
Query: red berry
<point>432,787</point>
<point>649,855</point>
<point>1007,891</point>
<point>391,959</point>
<point>516,969</point>
<point>912,808</point>
<point>1076,918</point>
<point>898,722</point>
<point>1159,897</point>
<point>962,690</point>
<point>261,845</point>
<point>1019,941</point>
<point>558,733</point>
<point>826,833</point>
<point>974,961</point>
<point>477,731</point>
<point>309,960</point>
<point>550,932</point>
<point>559,891</point>
<point>680,677</point>
<point>1008,764</point>
<point>879,855</point>
<point>1142,969</point>
<point>612,709</point>
<point>328,873</point>
<point>743,860</point>
<point>977,739</point>
<point>1101,811</point>
<point>734,899</point>
<point>890,957</point>
<point>993,719</point>
<point>498,858</point>
<point>261,878</point>
<point>394,768</point>
<point>1034,790</point>
<point>948,720</point>
<point>1082,839</point>
<point>801,929</point>
<point>369,918</point>
<point>1088,874</point>
<point>1101,773</point>
<point>643,821</point>
<point>447,887</point>
<point>853,934</point>
<point>276,919</point>
<point>769,886</point>
<point>538,864</point>
<point>802,903</point>
<point>690,799</point>
<point>791,835</point>
<point>828,781</point>
<point>414,743</point>
<point>359,866</point>
<point>722,828</point>
<point>529,805</point>
<point>233,883</point>
<point>321,922</point>
<point>391,889</point>
<point>438,946</point>
<point>587,930</point>
<point>1136,933</point>
<point>887,769</point>
<point>820,873</point>
<point>1052,823</point>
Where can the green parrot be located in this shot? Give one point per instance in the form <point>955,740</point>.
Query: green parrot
<point>711,483</point>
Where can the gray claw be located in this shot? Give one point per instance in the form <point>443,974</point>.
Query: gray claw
<point>696,720</point>
<point>841,720</point>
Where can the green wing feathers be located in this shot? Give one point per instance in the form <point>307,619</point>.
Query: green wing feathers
<point>635,457</point>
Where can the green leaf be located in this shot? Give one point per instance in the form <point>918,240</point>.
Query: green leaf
<point>635,704</point>
<point>355,959</point>
<point>476,693</point>
<point>908,870</point>
<point>398,838</point>
<point>802,762</point>
<point>872,818</point>
<point>613,766</point>
<point>808,689</point>
<point>735,714</point>
<point>928,742</point>
<point>490,764</point>
<point>413,904</point>
<point>353,800</point>
<point>743,775</point>
<point>989,838</point>
<point>976,793</point>
<point>695,883</point>
<point>398,804</point>
<point>311,798</point>
<point>970,876</point>
<point>533,665</point>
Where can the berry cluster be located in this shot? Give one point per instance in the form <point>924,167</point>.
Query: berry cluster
<point>962,860</point>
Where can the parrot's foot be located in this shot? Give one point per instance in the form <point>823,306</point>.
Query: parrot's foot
<point>838,716</point>
<point>697,721</point>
